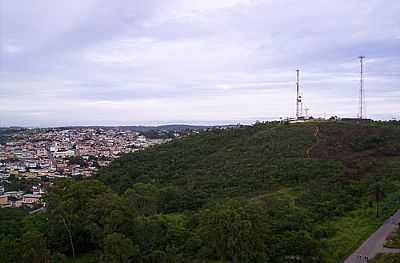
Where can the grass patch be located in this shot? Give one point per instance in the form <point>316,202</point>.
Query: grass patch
<point>386,258</point>
<point>350,231</point>
<point>393,240</point>
<point>285,193</point>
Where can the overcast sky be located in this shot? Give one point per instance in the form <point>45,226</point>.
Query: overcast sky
<point>101,62</point>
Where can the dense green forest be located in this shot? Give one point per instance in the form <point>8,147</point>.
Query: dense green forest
<point>271,192</point>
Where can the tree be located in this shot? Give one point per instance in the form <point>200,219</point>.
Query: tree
<point>143,198</point>
<point>379,195</point>
<point>234,232</point>
<point>118,249</point>
<point>70,216</point>
<point>33,248</point>
<point>167,233</point>
<point>9,250</point>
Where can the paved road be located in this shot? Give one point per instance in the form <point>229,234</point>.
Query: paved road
<point>374,244</point>
<point>39,210</point>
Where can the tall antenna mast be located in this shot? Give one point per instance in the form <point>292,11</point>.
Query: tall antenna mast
<point>362,95</point>
<point>298,97</point>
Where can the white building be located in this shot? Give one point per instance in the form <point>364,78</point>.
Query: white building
<point>30,199</point>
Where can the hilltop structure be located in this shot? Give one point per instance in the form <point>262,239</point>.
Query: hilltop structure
<point>300,117</point>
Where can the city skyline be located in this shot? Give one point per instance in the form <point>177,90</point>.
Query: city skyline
<point>197,62</point>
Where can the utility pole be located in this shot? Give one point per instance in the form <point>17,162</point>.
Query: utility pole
<point>362,95</point>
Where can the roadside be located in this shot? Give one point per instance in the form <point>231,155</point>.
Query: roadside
<point>374,245</point>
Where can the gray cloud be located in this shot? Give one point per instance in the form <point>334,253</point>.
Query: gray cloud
<point>67,62</point>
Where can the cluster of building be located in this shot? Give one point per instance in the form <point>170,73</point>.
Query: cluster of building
<point>21,199</point>
<point>40,155</point>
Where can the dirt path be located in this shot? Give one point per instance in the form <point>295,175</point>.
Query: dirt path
<point>374,244</point>
<point>316,135</point>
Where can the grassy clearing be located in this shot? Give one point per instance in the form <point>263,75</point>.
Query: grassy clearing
<point>394,240</point>
<point>388,258</point>
<point>350,231</point>
<point>285,193</point>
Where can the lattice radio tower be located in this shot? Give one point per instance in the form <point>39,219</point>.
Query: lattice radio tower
<point>298,96</point>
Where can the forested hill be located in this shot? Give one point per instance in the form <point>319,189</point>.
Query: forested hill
<point>318,174</point>
<point>250,161</point>
<point>269,193</point>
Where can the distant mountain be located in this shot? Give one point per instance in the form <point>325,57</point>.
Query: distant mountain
<point>140,128</point>
<point>170,127</point>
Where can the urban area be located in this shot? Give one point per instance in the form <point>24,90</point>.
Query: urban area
<point>31,159</point>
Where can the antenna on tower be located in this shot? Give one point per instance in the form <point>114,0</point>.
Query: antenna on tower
<point>306,111</point>
<point>298,97</point>
<point>301,104</point>
<point>362,94</point>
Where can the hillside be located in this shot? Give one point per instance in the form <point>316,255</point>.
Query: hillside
<point>251,161</point>
<point>330,171</point>
<point>268,193</point>
<point>5,133</point>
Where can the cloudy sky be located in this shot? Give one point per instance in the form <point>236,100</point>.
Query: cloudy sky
<point>104,62</point>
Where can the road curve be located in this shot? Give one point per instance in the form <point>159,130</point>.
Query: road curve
<point>374,244</point>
